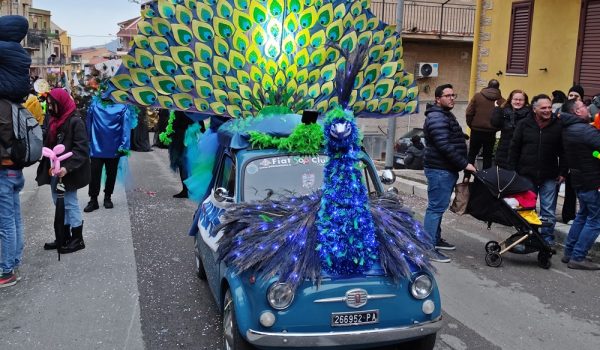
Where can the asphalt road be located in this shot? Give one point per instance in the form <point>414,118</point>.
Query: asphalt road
<point>134,286</point>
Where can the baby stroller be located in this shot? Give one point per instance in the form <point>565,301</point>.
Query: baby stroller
<point>502,196</point>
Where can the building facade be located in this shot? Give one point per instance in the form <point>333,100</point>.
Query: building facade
<point>538,45</point>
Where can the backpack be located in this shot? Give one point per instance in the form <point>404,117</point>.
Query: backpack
<point>26,148</point>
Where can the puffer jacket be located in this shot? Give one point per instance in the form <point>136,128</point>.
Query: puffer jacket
<point>506,120</point>
<point>480,109</point>
<point>14,60</point>
<point>446,148</point>
<point>580,140</point>
<point>535,152</point>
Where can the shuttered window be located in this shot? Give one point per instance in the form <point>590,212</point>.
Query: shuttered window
<point>519,39</point>
<point>588,63</point>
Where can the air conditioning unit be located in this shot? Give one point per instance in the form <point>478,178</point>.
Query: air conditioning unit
<point>426,70</point>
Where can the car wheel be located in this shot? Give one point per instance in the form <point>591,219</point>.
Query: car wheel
<point>232,339</point>
<point>199,265</point>
<point>425,343</point>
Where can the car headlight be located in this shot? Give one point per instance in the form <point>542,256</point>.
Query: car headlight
<point>280,295</point>
<point>421,287</point>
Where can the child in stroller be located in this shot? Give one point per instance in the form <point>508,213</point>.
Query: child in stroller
<point>502,196</point>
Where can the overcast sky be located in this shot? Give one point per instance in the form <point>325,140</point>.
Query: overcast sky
<point>89,22</point>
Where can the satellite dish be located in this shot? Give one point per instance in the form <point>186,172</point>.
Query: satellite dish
<point>41,86</point>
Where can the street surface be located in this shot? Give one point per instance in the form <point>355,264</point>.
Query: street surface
<point>134,286</point>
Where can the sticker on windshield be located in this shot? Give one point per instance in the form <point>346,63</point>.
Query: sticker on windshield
<point>288,161</point>
<point>308,181</point>
<point>252,169</point>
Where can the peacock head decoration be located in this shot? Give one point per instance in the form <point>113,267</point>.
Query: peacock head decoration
<point>236,57</point>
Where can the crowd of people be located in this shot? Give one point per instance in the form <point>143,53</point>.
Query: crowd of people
<point>548,141</point>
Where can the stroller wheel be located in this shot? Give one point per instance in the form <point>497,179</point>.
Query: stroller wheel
<point>544,260</point>
<point>493,259</point>
<point>492,247</point>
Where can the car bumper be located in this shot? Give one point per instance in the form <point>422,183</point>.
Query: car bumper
<point>330,339</point>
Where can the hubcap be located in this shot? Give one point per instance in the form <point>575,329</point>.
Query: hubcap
<point>228,322</point>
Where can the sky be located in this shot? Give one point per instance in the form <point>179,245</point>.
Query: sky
<point>89,22</point>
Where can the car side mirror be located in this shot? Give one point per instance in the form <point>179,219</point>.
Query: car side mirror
<point>221,195</point>
<point>387,177</point>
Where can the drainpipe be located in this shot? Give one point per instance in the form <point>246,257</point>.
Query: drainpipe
<point>475,54</point>
<point>391,136</point>
<point>442,18</point>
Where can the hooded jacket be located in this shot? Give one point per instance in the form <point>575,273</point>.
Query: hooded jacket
<point>506,120</point>
<point>109,128</point>
<point>14,60</point>
<point>536,152</point>
<point>580,140</point>
<point>445,148</point>
<point>480,109</point>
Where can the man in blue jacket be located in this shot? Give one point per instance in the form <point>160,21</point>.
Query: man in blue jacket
<point>445,156</point>
<point>580,141</point>
<point>109,132</point>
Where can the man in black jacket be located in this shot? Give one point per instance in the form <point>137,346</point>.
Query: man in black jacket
<point>535,153</point>
<point>445,156</point>
<point>580,140</point>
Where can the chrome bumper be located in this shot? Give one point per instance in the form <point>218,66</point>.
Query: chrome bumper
<point>357,337</point>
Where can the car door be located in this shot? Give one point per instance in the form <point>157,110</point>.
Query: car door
<point>211,210</point>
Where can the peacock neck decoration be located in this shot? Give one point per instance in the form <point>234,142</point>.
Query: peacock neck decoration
<point>347,244</point>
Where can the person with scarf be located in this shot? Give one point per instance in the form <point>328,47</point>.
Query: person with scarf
<point>67,128</point>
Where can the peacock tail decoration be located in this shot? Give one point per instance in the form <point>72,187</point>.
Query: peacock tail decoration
<point>338,231</point>
<point>235,57</point>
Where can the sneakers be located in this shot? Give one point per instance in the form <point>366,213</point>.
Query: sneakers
<point>17,273</point>
<point>439,257</point>
<point>583,265</point>
<point>8,279</point>
<point>108,204</point>
<point>442,244</point>
<point>91,206</point>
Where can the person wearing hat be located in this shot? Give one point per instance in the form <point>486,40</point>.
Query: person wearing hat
<point>576,92</point>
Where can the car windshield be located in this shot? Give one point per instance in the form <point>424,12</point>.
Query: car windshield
<point>281,176</point>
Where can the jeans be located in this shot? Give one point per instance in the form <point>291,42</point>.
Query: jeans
<point>440,185</point>
<point>547,192</point>
<point>11,225</point>
<point>72,210</point>
<point>585,227</point>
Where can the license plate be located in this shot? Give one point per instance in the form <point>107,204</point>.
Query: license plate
<point>341,319</point>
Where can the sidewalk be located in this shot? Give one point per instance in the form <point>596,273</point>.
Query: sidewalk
<point>414,182</point>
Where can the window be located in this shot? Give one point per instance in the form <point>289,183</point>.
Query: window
<point>520,37</point>
<point>227,175</point>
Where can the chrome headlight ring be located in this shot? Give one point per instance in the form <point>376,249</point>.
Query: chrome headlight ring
<point>280,295</point>
<point>421,286</point>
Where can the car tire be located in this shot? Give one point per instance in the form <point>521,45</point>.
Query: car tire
<point>232,339</point>
<point>425,343</point>
<point>199,265</point>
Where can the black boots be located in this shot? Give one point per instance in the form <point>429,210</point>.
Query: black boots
<point>182,194</point>
<point>75,243</point>
<point>92,205</point>
<point>66,235</point>
<point>108,204</point>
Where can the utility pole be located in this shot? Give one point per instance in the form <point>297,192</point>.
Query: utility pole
<point>391,136</point>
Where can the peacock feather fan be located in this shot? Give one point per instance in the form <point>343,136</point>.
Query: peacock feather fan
<point>234,57</point>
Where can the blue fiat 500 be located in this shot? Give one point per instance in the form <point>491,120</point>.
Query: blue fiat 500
<point>351,313</point>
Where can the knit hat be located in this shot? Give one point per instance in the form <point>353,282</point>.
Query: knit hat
<point>578,89</point>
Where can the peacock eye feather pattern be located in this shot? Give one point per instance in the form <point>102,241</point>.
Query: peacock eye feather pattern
<point>303,54</point>
<point>337,231</point>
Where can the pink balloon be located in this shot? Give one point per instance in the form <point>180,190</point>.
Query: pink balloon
<point>54,158</point>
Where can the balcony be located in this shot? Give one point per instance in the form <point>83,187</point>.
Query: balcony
<point>49,62</point>
<point>429,20</point>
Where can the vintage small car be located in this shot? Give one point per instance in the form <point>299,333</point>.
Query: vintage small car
<point>340,313</point>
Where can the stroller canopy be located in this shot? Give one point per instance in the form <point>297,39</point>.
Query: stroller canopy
<point>503,182</point>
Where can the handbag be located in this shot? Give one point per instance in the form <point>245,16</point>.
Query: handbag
<point>461,197</point>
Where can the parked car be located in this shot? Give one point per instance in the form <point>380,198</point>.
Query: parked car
<point>345,313</point>
<point>402,145</point>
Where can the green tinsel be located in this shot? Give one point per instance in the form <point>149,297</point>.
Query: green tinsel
<point>165,136</point>
<point>305,139</point>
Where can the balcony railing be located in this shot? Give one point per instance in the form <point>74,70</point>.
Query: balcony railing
<point>39,61</point>
<point>426,18</point>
